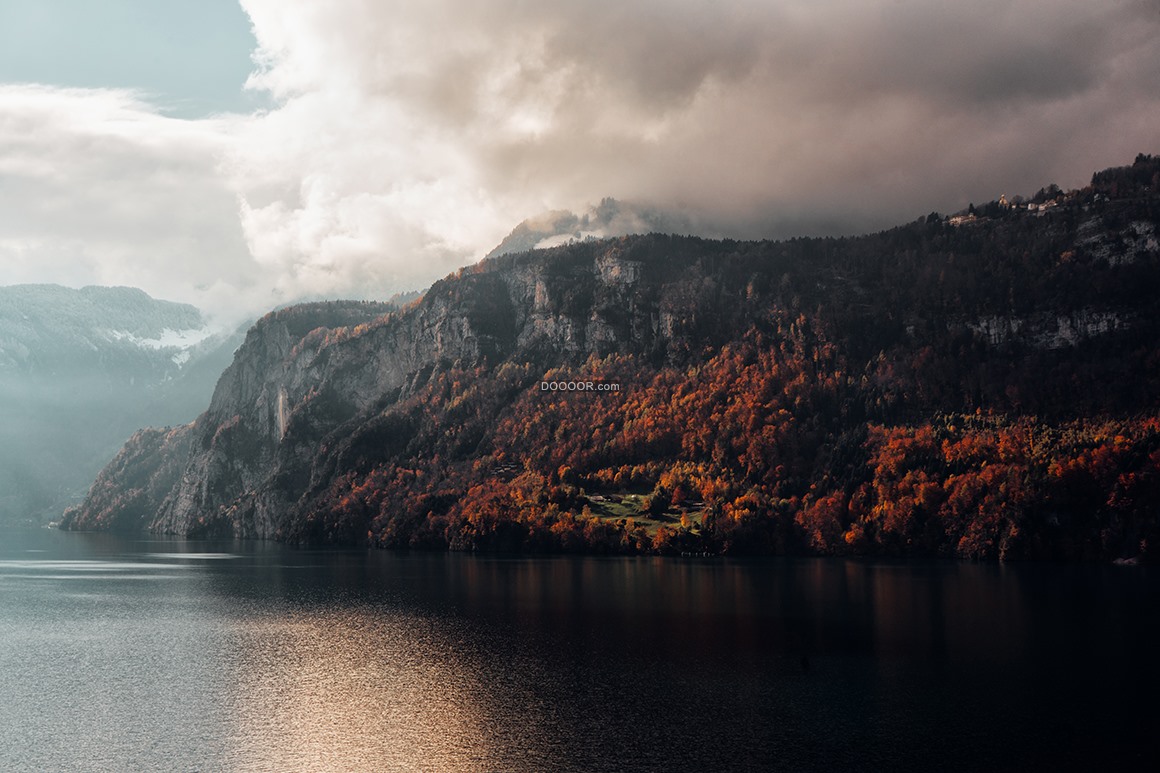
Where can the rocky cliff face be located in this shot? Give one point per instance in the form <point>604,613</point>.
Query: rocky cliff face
<point>310,383</point>
<point>306,375</point>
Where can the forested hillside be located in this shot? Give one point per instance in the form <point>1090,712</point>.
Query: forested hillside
<point>985,385</point>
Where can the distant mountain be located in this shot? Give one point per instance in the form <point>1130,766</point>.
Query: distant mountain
<point>607,219</point>
<point>80,370</point>
<point>982,386</point>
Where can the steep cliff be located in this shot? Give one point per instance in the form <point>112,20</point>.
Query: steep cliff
<point>427,426</point>
<point>301,376</point>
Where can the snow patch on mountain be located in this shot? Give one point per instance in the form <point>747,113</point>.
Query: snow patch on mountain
<point>607,219</point>
<point>167,339</point>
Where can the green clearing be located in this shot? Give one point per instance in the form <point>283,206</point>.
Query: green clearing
<point>616,507</point>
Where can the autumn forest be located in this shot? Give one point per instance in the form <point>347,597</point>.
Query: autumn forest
<point>834,424</point>
<point>985,387</point>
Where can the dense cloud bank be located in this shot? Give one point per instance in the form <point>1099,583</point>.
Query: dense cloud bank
<point>407,139</point>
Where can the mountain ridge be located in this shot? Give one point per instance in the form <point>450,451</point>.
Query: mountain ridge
<point>425,427</point>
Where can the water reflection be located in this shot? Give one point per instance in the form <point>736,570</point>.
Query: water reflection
<point>258,657</point>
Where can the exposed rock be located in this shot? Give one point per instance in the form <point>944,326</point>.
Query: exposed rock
<point>305,373</point>
<point>309,383</point>
<point>1047,331</point>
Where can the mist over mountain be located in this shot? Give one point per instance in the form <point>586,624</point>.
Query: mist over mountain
<point>607,219</point>
<point>80,370</point>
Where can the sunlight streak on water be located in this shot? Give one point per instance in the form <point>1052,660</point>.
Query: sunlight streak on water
<point>92,576</point>
<point>85,566</point>
<point>360,689</point>
<point>287,660</point>
<point>194,556</point>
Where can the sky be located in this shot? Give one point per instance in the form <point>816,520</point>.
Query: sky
<point>244,156</point>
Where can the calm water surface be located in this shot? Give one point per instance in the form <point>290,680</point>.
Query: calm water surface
<point>127,655</point>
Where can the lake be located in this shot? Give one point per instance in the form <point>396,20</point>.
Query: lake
<point>145,654</point>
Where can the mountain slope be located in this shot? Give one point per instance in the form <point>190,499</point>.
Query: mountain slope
<point>977,386</point>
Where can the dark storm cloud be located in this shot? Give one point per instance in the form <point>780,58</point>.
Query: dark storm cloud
<point>406,139</point>
<point>758,116</point>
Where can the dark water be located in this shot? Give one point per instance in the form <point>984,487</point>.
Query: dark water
<point>159,655</point>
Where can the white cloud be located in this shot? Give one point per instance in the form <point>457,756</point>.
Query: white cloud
<point>407,138</point>
<point>96,187</point>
